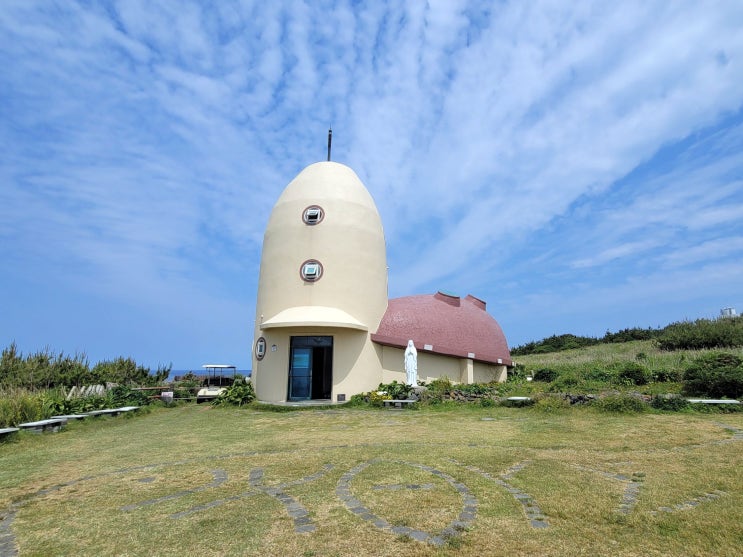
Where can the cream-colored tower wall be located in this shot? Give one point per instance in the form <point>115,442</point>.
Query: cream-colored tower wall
<point>351,296</point>
<point>349,243</point>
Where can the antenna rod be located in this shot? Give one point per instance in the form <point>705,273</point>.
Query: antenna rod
<point>330,140</point>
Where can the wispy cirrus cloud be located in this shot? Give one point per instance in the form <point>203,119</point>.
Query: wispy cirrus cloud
<point>562,155</point>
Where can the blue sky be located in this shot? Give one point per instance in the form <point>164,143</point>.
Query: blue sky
<point>578,165</point>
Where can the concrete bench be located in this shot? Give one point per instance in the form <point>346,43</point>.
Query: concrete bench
<point>390,403</point>
<point>70,417</point>
<point>8,431</point>
<point>712,401</point>
<point>52,424</point>
<point>113,411</point>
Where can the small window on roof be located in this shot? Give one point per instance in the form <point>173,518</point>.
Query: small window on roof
<point>313,214</point>
<point>311,270</point>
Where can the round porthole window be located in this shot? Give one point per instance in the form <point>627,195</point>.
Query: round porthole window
<point>313,215</point>
<point>260,348</point>
<point>311,270</point>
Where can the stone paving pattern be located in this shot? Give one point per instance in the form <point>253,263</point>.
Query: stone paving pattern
<point>464,521</point>
<point>631,487</point>
<point>302,520</point>
<point>534,514</point>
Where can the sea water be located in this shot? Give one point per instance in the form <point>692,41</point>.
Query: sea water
<point>199,371</point>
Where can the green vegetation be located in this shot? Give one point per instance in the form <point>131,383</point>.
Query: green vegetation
<point>36,386</point>
<point>22,405</point>
<point>45,369</point>
<point>238,394</point>
<point>638,366</point>
<point>153,478</point>
<point>686,335</point>
<point>717,374</point>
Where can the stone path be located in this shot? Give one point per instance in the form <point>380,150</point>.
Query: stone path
<point>465,519</point>
<point>534,514</point>
<point>631,487</point>
<point>692,503</point>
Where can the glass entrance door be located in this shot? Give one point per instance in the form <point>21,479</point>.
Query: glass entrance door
<point>311,368</point>
<point>300,374</point>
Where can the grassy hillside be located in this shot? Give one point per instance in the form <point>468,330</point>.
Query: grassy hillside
<point>604,366</point>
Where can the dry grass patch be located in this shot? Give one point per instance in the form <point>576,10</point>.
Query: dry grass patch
<point>239,482</point>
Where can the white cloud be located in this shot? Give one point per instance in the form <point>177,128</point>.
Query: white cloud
<point>144,143</point>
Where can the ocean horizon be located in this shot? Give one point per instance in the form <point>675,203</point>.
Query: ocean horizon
<point>200,371</point>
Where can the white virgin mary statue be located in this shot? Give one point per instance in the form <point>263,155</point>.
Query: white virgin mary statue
<point>411,364</point>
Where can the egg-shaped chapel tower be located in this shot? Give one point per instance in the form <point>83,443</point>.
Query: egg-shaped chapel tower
<point>322,290</point>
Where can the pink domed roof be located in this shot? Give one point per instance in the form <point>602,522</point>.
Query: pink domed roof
<point>449,325</point>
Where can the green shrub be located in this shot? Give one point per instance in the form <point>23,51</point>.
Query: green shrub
<point>564,382</point>
<point>122,395</point>
<point>442,385</point>
<point>545,375</point>
<point>45,370</point>
<point>670,403</point>
<point>518,373</point>
<point>620,403</point>
<point>633,374</point>
<point>360,399</point>
<point>551,404</point>
<point>477,389</point>
<point>238,394</point>
<point>395,390</point>
<point>599,374</point>
<point>668,375</point>
<point>702,334</point>
<point>377,398</point>
<point>716,374</point>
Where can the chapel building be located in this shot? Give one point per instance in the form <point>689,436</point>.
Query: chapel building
<point>325,329</point>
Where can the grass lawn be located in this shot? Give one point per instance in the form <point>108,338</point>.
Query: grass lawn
<point>196,480</point>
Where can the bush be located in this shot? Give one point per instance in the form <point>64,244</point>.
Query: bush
<point>670,403</point>
<point>395,390</point>
<point>717,374</point>
<point>18,406</point>
<point>121,395</point>
<point>442,385</point>
<point>239,393</point>
<point>564,383</point>
<point>702,334</point>
<point>600,374</point>
<point>633,374</point>
<point>668,375</point>
<point>45,370</point>
<point>545,375</point>
<point>477,389</point>
<point>620,403</point>
<point>377,398</point>
<point>550,404</point>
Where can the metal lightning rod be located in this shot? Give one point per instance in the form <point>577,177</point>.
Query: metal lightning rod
<point>330,140</point>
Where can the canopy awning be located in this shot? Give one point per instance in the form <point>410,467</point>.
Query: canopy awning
<point>313,316</point>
